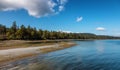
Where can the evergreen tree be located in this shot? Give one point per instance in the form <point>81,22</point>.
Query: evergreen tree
<point>30,33</point>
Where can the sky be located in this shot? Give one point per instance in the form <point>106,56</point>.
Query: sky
<point>101,17</point>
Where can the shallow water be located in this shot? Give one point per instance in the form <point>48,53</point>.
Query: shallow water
<point>87,55</point>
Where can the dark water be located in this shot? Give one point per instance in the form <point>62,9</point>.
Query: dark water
<point>87,55</point>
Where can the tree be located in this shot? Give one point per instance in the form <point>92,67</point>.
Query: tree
<point>21,33</point>
<point>30,33</point>
<point>2,32</point>
<point>11,34</point>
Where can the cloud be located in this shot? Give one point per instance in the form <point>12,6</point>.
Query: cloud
<point>61,8</point>
<point>36,8</point>
<point>67,31</point>
<point>64,31</point>
<point>100,29</point>
<point>62,2</point>
<point>79,19</point>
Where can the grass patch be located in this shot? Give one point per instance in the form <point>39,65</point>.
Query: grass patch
<point>9,44</point>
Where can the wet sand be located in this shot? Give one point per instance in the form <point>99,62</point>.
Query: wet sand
<point>7,55</point>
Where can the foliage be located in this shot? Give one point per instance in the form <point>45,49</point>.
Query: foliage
<point>29,33</point>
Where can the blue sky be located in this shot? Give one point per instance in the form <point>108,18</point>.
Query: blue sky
<point>87,16</point>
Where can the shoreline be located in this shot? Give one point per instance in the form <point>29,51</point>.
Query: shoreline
<point>8,55</point>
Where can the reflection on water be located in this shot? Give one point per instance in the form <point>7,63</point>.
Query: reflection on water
<point>100,47</point>
<point>87,55</point>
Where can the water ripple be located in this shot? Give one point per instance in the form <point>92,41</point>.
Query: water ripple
<point>92,55</point>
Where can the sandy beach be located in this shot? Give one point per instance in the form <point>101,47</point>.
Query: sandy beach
<point>12,54</point>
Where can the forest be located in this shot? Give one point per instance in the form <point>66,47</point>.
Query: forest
<point>31,33</point>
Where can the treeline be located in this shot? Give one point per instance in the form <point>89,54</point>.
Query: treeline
<point>30,33</point>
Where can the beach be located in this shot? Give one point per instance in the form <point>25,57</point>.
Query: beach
<point>12,54</point>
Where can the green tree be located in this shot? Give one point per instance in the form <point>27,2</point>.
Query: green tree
<point>2,32</point>
<point>11,34</point>
<point>21,33</point>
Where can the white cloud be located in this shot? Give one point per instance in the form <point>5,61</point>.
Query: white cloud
<point>79,19</point>
<point>67,31</point>
<point>62,2</point>
<point>100,29</point>
<point>77,32</point>
<point>36,8</point>
<point>64,31</point>
<point>61,8</point>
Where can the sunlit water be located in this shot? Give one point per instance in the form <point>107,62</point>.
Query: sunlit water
<point>87,55</point>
